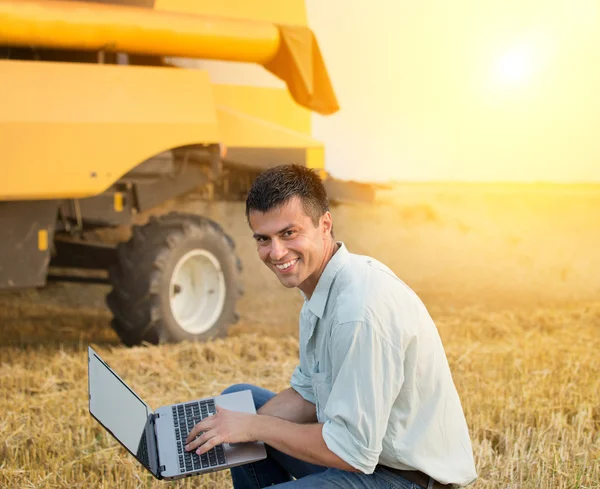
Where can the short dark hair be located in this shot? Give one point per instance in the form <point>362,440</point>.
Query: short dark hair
<point>277,185</point>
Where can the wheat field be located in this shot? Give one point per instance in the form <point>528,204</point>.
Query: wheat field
<point>511,275</point>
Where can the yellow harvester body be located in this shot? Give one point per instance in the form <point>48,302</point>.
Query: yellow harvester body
<point>109,109</point>
<point>72,129</point>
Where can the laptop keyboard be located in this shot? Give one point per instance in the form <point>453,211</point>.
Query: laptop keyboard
<point>185,417</point>
<point>142,451</point>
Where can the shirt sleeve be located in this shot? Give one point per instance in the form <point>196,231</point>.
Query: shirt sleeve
<point>302,384</point>
<point>368,373</point>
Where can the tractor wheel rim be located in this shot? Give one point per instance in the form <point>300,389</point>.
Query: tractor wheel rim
<point>197,291</point>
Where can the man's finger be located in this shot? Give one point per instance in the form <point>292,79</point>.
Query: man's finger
<point>201,440</point>
<point>203,425</point>
<point>197,429</point>
<point>195,443</point>
<point>213,442</point>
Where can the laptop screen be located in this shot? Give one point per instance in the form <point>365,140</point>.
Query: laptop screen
<point>116,406</point>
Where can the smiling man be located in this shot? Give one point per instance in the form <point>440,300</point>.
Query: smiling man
<point>372,403</point>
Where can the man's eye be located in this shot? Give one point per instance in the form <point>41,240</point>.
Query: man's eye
<point>287,234</point>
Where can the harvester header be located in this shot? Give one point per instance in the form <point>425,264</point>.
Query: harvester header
<point>290,52</point>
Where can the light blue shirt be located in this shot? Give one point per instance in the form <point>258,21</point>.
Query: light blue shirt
<point>372,362</point>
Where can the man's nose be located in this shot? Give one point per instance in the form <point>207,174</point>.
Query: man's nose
<point>278,250</point>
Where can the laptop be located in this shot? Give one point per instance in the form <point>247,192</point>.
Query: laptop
<point>157,439</point>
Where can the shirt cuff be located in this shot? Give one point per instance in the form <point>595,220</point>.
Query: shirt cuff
<point>341,442</point>
<point>303,385</point>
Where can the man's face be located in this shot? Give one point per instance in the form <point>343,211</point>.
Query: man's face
<point>290,245</point>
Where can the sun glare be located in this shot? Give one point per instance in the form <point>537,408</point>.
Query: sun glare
<point>515,66</point>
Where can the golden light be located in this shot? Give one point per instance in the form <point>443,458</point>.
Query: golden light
<point>515,66</point>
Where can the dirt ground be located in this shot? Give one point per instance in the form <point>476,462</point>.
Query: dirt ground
<point>510,273</point>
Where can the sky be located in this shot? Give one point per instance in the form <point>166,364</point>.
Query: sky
<point>459,90</point>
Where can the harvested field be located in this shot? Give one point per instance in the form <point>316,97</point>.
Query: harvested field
<point>511,274</point>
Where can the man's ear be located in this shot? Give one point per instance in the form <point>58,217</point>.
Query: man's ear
<point>326,223</point>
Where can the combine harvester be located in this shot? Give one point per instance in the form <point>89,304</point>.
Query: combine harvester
<point>99,121</point>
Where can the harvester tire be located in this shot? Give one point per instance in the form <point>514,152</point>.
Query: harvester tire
<point>176,279</point>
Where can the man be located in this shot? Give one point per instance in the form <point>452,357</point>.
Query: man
<point>372,403</point>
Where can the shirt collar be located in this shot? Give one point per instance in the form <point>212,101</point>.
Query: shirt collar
<point>318,300</point>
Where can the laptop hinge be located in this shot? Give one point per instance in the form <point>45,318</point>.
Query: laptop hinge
<point>153,418</point>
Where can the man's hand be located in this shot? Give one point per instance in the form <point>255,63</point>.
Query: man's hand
<point>302,441</point>
<point>224,427</point>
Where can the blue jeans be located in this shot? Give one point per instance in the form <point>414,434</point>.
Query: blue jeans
<point>280,470</point>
